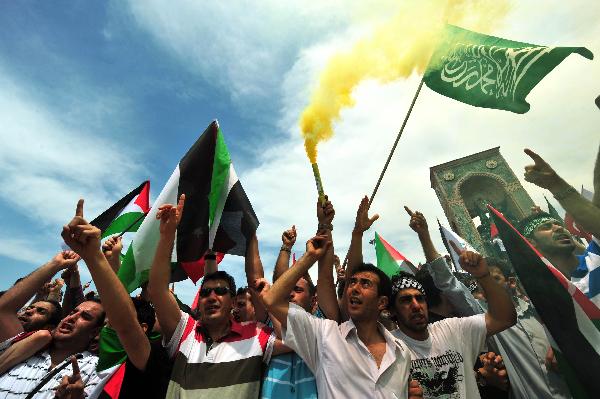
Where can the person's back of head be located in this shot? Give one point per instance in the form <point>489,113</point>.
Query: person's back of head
<point>145,313</point>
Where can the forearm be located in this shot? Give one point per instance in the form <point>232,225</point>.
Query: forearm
<point>355,256</point>
<point>501,312</point>
<point>282,264</point>
<point>429,250</point>
<point>119,310</point>
<point>210,266</point>
<point>584,212</point>
<point>276,299</point>
<point>115,263</point>
<point>326,286</point>
<point>17,296</point>
<point>457,293</point>
<point>167,311</point>
<point>253,264</point>
<point>24,349</point>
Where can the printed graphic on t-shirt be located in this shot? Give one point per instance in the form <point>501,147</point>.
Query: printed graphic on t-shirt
<point>439,376</point>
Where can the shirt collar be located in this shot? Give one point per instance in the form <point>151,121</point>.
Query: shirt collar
<point>349,326</point>
<point>236,329</point>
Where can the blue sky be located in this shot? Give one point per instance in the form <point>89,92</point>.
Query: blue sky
<point>96,97</point>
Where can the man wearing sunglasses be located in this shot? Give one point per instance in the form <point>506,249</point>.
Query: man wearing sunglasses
<point>215,356</point>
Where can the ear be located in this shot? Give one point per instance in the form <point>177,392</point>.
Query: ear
<point>532,242</point>
<point>144,327</point>
<point>382,303</point>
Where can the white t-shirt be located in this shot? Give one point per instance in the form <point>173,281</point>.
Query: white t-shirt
<point>443,363</point>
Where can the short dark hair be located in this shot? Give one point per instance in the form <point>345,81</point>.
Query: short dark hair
<point>145,313</point>
<point>103,315</point>
<point>220,275</point>
<point>56,314</point>
<point>502,265</point>
<point>312,290</point>
<point>241,291</point>
<point>385,284</point>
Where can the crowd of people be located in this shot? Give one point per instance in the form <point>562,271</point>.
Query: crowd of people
<point>354,333</point>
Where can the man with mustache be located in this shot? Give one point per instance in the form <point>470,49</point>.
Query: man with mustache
<point>443,353</point>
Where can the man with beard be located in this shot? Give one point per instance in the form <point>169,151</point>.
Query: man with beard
<point>443,353</point>
<point>555,242</point>
<point>44,371</point>
<point>44,314</point>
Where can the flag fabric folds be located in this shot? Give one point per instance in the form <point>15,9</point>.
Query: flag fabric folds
<point>572,320</point>
<point>491,72</point>
<point>389,260</point>
<point>450,236</point>
<point>217,213</point>
<point>125,215</point>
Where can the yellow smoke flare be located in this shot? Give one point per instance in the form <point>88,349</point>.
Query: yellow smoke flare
<point>395,50</point>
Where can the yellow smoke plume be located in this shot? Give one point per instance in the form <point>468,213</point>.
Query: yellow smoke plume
<point>394,50</point>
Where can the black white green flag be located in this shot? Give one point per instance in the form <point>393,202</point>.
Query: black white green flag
<point>217,213</point>
<point>491,72</point>
<point>127,214</point>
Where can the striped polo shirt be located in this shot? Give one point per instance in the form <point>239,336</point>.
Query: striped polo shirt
<point>228,368</point>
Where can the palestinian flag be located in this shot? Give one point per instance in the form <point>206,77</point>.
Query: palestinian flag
<point>389,260</point>
<point>126,214</point>
<point>450,236</point>
<point>217,213</point>
<point>571,319</point>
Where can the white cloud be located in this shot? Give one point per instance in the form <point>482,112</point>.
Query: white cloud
<point>46,164</point>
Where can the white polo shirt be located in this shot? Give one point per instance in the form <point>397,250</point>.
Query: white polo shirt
<point>342,364</point>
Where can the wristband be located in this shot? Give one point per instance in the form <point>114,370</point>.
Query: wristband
<point>325,226</point>
<point>285,248</point>
<point>565,193</point>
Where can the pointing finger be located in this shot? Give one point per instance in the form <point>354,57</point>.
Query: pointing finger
<point>407,209</point>
<point>455,247</point>
<point>539,161</point>
<point>79,208</point>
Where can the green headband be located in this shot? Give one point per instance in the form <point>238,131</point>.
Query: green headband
<point>535,223</point>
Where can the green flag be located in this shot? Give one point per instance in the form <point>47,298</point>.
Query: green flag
<point>491,72</point>
<point>389,260</point>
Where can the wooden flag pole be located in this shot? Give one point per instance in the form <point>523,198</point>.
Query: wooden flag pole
<point>396,142</point>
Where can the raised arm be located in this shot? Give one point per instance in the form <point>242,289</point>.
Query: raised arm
<point>419,225</point>
<point>325,285</point>
<point>18,295</point>
<point>276,298</point>
<point>24,349</point>
<point>288,239</point>
<point>210,263</point>
<point>584,212</point>
<point>457,293</point>
<point>112,251</point>
<point>115,299</point>
<point>73,290</point>
<point>254,272</point>
<point>362,223</point>
<point>165,305</point>
<point>501,312</point>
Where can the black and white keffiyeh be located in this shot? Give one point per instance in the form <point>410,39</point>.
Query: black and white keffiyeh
<point>406,282</point>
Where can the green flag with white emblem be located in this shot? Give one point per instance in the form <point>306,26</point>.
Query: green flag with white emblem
<point>491,72</point>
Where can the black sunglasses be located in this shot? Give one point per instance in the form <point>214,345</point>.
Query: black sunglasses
<point>205,292</point>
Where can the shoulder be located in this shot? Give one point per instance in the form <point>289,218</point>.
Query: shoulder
<point>456,325</point>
